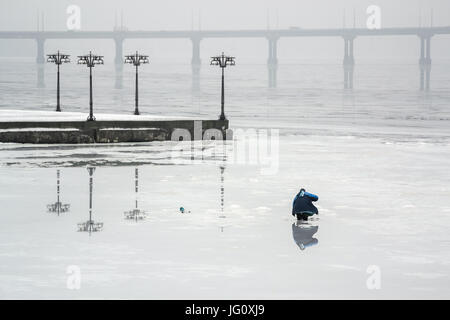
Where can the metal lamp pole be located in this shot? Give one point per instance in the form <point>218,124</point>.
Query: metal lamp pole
<point>58,59</point>
<point>90,60</point>
<point>222,61</point>
<point>136,60</point>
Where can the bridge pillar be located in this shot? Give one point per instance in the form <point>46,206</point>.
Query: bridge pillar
<point>349,62</point>
<point>425,62</point>
<point>40,60</point>
<point>118,61</point>
<point>118,41</point>
<point>196,64</point>
<point>272,61</point>
<point>40,55</point>
<point>40,83</point>
<point>195,78</point>
<point>196,61</point>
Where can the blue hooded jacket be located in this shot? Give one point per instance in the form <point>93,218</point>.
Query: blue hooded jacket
<point>303,203</point>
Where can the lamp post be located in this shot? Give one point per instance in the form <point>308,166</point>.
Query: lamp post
<point>58,59</point>
<point>90,60</point>
<point>222,61</point>
<point>136,60</point>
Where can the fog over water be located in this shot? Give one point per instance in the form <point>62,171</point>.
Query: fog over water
<point>235,15</point>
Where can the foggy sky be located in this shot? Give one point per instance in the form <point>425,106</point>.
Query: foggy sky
<point>229,14</point>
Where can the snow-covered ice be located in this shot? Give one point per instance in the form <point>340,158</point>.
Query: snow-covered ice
<point>377,207</point>
<point>17,115</point>
<point>377,157</point>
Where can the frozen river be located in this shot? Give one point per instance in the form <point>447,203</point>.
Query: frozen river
<point>378,158</point>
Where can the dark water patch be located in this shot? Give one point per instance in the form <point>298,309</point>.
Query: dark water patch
<point>105,163</point>
<point>74,155</point>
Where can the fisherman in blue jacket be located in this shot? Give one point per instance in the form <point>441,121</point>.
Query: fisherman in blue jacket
<point>303,206</point>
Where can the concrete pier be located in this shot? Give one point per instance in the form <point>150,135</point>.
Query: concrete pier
<point>111,131</point>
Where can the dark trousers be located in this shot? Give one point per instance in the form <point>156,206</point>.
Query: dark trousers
<point>301,216</point>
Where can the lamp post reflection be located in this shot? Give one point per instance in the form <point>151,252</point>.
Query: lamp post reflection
<point>222,192</point>
<point>136,214</point>
<point>222,186</point>
<point>90,225</point>
<point>58,207</point>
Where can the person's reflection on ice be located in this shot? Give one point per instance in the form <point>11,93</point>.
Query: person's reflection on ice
<point>303,234</point>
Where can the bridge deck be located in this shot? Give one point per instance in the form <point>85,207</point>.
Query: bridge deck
<point>294,32</point>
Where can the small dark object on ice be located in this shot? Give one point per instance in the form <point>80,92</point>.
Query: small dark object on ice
<point>183,210</point>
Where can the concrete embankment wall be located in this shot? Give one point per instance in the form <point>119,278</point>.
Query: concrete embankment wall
<point>110,131</point>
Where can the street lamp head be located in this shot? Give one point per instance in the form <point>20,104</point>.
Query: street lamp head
<point>65,58</point>
<point>82,60</point>
<point>129,59</point>
<point>51,58</point>
<point>58,58</point>
<point>136,59</point>
<point>222,61</point>
<point>90,60</point>
<point>230,61</point>
<point>215,61</point>
<point>143,59</point>
<point>98,60</point>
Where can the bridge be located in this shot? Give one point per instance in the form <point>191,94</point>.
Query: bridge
<point>119,35</point>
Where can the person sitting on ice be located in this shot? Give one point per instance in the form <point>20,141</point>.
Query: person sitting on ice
<point>303,206</point>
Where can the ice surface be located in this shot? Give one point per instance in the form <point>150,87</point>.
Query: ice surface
<point>34,115</point>
<point>378,158</point>
<point>380,204</point>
